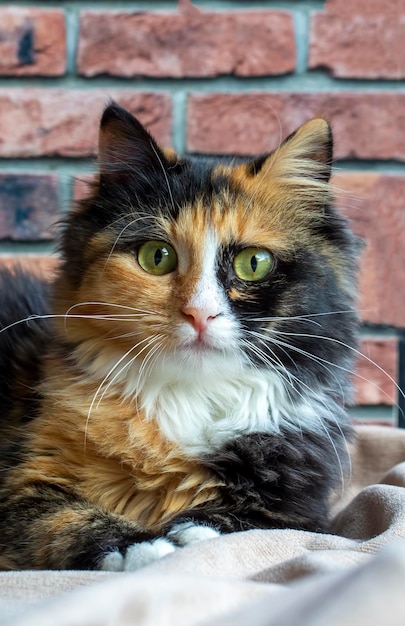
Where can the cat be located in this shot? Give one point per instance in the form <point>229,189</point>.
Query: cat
<point>186,373</point>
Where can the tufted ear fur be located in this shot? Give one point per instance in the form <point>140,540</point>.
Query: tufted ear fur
<point>307,153</point>
<point>126,149</point>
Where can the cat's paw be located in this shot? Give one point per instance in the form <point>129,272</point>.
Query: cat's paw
<point>188,532</point>
<point>136,555</point>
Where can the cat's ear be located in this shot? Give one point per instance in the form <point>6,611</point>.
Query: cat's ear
<point>306,153</point>
<point>126,149</point>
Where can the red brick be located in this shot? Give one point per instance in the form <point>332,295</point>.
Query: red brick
<point>46,122</point>
<point>358,46</point>
<point>361,39</point>
<point>186,44</point>
<point>29,206</point>
<point>365,7</point>
<point>375,205</point>
<point>376,370</point>
<point>366,125</point>
<point>32,42</point>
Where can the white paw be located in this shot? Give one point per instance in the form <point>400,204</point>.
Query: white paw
<point>188,532</point>
<point>138,555</point>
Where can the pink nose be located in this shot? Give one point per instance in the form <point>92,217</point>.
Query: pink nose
<point>199,318</point>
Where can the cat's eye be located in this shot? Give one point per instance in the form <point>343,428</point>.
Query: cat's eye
<point>253,264</point>
<point>157,257</point>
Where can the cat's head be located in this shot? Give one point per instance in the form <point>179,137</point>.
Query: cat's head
<point>201,262</point>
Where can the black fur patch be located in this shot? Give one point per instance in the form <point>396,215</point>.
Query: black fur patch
<point>24,337</point>
<point>275,481</point>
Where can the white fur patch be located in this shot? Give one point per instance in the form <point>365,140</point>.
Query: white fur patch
<point>138,555</point>
<point>188,533</point>
<point>208,294</point>
<point>202,406</point>
<point>203,398</point>
<point>223,330</point>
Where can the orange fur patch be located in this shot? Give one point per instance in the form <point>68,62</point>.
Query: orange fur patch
<point>115,458</point>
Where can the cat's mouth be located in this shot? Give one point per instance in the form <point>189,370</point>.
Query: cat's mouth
<point>201,345</point>
<point>220,337</point>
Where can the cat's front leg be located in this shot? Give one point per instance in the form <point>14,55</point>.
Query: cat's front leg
<point>44,527</point>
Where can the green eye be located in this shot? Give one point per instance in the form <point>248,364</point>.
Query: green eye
<point>253,264</point>
<point>157,257</point>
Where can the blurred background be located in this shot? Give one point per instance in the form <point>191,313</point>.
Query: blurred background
<point>216,77</point>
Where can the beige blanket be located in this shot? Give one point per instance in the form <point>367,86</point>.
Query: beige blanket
<point>353,576</point>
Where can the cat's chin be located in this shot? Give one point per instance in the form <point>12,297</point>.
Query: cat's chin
<point>219,338</point>
<point>201,347</point>
<point>205,356</point>
<point>201,358</point>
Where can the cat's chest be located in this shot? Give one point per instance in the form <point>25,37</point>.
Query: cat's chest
<point>150,493</point>
<point>201,415</point>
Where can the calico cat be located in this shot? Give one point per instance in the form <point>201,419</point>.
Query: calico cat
<point>186,372</point>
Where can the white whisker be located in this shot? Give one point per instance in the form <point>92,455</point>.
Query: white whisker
<point>149,360</point>
<point>106,377</point>
<point>165,175</point>
<point>306,317</point>
<point>265,339</point>
<point>151,341</point>
<point>118,237</point>
<point>352,349</point>
<point>107,317</point>
<point>110,304</point>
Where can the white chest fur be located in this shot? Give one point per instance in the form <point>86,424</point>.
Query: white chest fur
<point>201,403</point>
<point>202,412</point>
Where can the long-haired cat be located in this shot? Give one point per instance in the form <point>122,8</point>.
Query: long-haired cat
<point>185,375</point>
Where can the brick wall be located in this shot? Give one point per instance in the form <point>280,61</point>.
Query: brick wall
<point>221,78</point>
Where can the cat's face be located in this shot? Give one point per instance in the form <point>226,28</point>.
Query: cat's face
<point>201,264</point>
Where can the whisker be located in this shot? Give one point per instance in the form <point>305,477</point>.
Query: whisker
<point>107,317</point>
<point>118,237</point>
<point>117,374</point>
<point>274,356</point>
<point>149,361</point>
<point>354,350</point>
<point>269,362</point>
<point>133,333</point>
<point>30,318</point>
<point>265,359</point>
<point>323,362</point>
<point>99,388</point>
<point>165,175</point>
<point>304,317</point>
<point>291,376</point>
<point>112,304</point>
